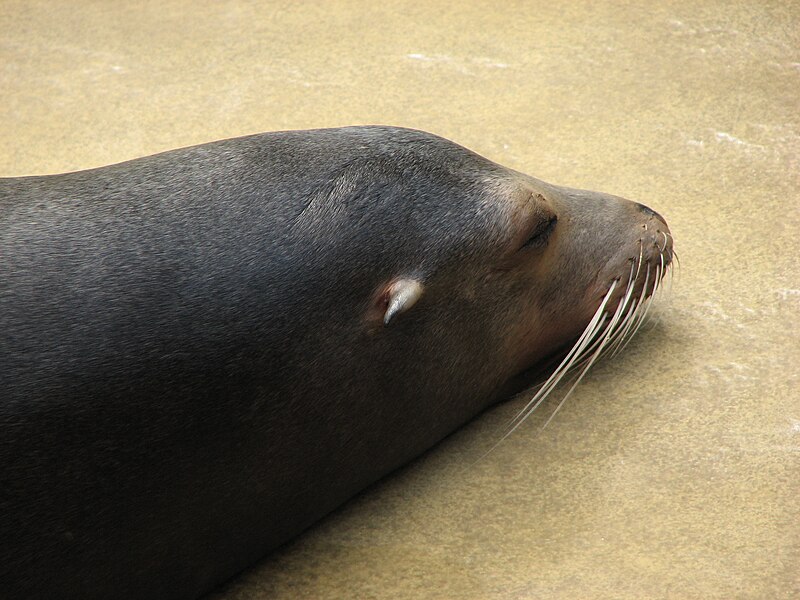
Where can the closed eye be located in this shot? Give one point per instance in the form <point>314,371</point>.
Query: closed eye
<point>541,234</point>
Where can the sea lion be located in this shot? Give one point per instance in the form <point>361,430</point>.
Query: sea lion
<point>205,351</point>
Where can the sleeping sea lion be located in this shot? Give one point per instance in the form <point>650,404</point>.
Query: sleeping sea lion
<point>204,351</point>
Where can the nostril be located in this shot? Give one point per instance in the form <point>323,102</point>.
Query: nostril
<point>649,211</point>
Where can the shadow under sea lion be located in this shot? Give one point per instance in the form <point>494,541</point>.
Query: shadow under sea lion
<point>204,351</point>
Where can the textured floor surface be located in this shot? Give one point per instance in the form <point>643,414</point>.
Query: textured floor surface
<point>674,470</point>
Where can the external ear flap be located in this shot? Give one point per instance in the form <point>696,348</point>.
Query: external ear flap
<point>401,295</point>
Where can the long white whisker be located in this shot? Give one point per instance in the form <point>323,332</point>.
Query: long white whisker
<point>630,318</point>
<point>609,336</point>
<point>585,338</point>
<point>620,308</point>
<point>661,291</point>
<point>606,332</point>
<point>619,344</point>
<point>584,370</point>
<point>639,262</point>
<point>609,332</point>
<point>591,330</point>
<point>647,306</point>
<point>558,374</point>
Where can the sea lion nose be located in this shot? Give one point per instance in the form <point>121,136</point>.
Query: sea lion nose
<point>649,211</point>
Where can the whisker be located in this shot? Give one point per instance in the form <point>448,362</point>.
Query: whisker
<point>647,307</point>
<point>625,326</point>
<point>676,259</point>
<point>584,370</point>
<point>662,291</point>
<point>588,334</point>
<point>639,263</point>
<point>612,334</point>
<point>610,327</point>
<point>671,277</point>
<point>633,318</point>
<point>606,333</point>
<point>557,375</point>
<point>604,340</point>
<point>591,330</point>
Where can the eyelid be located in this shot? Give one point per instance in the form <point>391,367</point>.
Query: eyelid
<point>540,234</point>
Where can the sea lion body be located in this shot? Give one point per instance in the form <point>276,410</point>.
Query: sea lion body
<point>195,360</point>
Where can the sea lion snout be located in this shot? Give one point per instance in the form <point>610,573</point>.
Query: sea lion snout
<point>606,263</point>
<point>639,253</point>
<point>602,241</point>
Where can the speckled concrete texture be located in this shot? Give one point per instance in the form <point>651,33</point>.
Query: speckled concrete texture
<point>674,470</point>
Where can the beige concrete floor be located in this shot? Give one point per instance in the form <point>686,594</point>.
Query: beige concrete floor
<point>674,470</point>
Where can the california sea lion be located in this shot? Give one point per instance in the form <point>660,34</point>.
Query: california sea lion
<point>205,351</point>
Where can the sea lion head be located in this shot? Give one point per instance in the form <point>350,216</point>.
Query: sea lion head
<point>460,276</point>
